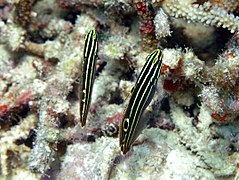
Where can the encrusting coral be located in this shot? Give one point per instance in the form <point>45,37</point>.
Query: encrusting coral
<point>209,13</point>
<point>193,119</point>
<point>13,151</point>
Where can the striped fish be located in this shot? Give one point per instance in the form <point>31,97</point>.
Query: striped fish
<point>88,65</point>
<point>141,96</point>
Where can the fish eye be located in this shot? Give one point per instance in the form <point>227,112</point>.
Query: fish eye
<point>126,124</point>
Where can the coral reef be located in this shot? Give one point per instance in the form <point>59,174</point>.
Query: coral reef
<point>193,128</point>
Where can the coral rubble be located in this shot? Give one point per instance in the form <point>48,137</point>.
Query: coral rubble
<point>193,128</point>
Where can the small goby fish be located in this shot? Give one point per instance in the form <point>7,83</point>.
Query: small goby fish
<point>88,66</point>
<point>141,96</point>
